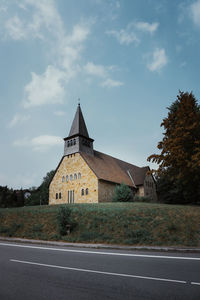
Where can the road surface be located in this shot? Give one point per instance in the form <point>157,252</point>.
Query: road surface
<point>36,272</point>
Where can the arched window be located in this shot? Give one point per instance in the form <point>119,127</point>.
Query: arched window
<point>68,144</point>
<point>56,195</point>
<point>71,177</point>
<point>86,191</point>
<point>74,142</point>
<point>71,143</point>
<point>75,176</point>
<point>63,179</point>
<point>79,175</point>
<point>67,178</point>
<point>82,192</point>
<point>59,195</point>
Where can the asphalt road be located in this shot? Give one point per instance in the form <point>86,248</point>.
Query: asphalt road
<point>54,273</point>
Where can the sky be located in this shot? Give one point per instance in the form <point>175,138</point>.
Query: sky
<point>125,59</point>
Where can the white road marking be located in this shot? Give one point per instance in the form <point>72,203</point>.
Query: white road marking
<point>197,283</point>
<point>101,253</point>
<point>97,272</point>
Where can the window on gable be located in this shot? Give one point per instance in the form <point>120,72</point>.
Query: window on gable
<point>56,195</point>
<point>60,195</point>
<point>67,178</point>
<point>82,192</point>
<point>86,191</point>
<point>79,175</point>
<point>75,176</point>
<point>63,179</point>
<point>71,177</point>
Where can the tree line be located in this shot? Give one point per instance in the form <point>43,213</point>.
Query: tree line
<point>37,195</point>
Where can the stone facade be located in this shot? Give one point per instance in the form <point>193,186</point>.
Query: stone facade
<point>105,191</point>
<point>148,189</point>
<point>69,166</point>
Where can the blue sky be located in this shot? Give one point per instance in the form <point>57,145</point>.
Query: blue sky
<point>125,59</point>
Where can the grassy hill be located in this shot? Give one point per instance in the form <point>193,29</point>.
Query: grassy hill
<point>121,223</point>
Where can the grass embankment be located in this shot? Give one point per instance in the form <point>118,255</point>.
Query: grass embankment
<point>120,223</point>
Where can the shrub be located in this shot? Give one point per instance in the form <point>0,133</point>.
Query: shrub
<point>122,193</point>
<point>64,219</point>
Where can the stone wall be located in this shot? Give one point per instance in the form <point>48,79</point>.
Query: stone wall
<point>106,191</point>
<point>70,165</point>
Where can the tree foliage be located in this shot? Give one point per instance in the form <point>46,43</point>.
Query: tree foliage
<point>122,193</point>
<point>10,197</point>
<point>40,195</point>
<point>179,158</point>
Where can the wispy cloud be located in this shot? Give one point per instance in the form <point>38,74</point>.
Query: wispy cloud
<point>147,27</point>
<point>109,83</point>
<point>124,36</point>
<point>132,31</point>
<point>18,119</point>
<point>39,143</point>
<point>15,28</point>
<point>97,70</point>
<point>159,60</point>
<point>195,12</point>
<point>104,73</point>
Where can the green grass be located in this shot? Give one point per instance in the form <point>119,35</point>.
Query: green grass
<point>120,223</point>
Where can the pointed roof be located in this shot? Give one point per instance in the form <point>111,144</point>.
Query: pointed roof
<point>78,126</point>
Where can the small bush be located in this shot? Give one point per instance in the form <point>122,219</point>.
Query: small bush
<point>64,218</point>
<point>122,193</point>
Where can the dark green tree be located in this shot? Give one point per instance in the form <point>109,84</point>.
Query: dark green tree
<point>40,195</point>
<point>179,159</point>
<point>122,193</point>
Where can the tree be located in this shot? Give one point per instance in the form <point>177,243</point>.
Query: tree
<point>40,195</point>
<point>179,158</point>
<point>122,193</point>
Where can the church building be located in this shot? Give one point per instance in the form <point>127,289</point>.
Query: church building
<point>85,175</point>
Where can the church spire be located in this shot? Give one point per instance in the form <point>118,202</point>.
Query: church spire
<point>78,139</point>
<point>78,126</point>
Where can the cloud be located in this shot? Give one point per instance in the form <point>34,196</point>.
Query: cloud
<point>97,70</point>
<point>18,119</point>
<point>159,60</point>
<point>111,83</point>
<point>147,27</point>
<point>15,28</point>
<point>132,31</point>
<point>41,20</point>
<point>102,72</point>
<point>36,19</point>
<point>195,12</point>
<point>123,36</point>
<point>39,143</point>
<point>46,88</point>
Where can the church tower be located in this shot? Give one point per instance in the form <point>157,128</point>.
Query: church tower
<point>78,139</point>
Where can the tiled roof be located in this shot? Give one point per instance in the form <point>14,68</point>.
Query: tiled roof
<point>112,169</point>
